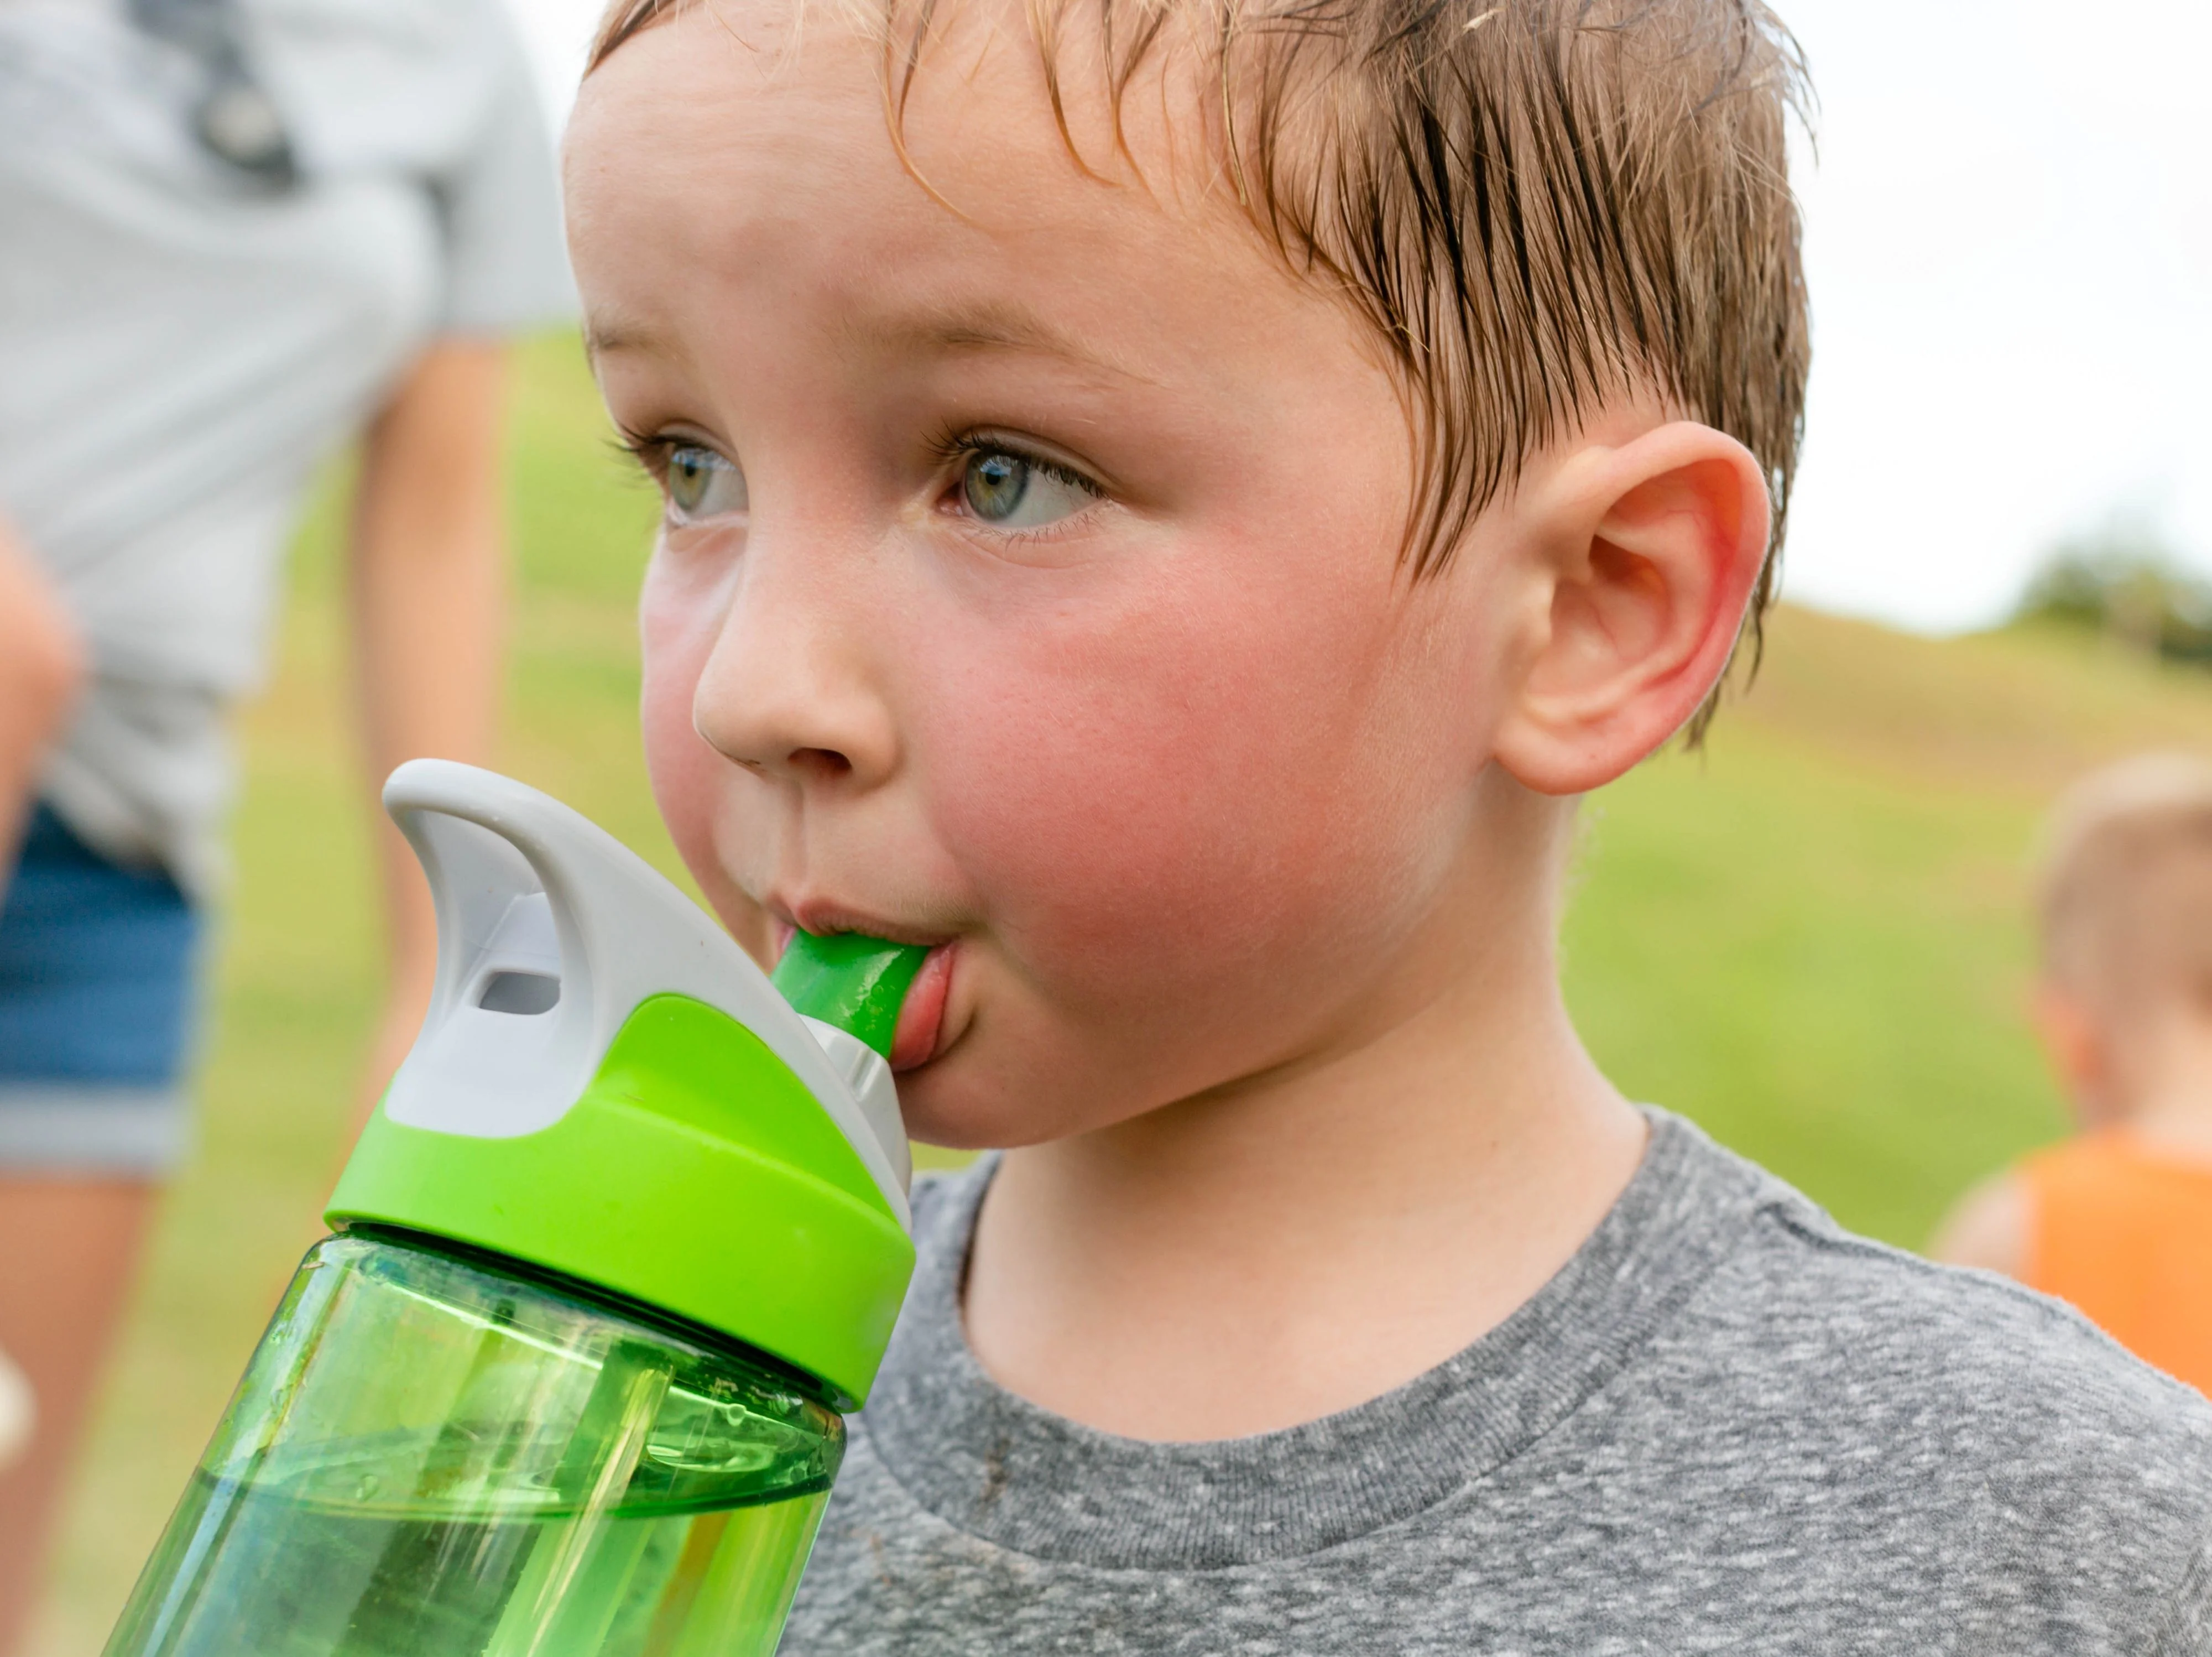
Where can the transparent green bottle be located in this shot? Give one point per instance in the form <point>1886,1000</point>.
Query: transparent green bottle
<point>625,1237</point>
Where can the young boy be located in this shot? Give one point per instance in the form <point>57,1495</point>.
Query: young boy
<point>1168,506</point>
<point>2119,1220</point>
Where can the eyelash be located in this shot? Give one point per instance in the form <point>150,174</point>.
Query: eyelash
<point>649,451</point>
<point>950,446</point>
<point>954,445</point>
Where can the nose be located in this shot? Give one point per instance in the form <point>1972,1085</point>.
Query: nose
<point>788,691</point>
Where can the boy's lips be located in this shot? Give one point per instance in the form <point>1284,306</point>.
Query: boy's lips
<point>824,918</point>
<point>921,1027</point>
<point>921,1015</point>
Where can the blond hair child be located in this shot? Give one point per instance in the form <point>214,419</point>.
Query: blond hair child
<point>1167,504</point>
<point>2118,1220</point>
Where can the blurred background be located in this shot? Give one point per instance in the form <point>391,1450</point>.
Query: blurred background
<point>1812,938</point>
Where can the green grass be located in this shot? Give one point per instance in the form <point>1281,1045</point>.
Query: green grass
<point>1809,939</point>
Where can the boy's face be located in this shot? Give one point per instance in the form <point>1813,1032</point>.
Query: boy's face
<point>1031,582</point>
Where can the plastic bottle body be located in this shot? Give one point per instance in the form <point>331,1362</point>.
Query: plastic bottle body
<point>436,1456</point>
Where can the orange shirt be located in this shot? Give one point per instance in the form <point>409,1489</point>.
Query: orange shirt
<point>2126,1235</point>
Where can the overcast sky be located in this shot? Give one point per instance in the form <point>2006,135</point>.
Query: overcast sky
<point>2009,237</point>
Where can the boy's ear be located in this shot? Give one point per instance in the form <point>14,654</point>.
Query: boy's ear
<point>1648,552</point>
<point>2074,1041</point>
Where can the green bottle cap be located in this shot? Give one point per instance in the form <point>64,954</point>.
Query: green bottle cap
<point>607,1086</point>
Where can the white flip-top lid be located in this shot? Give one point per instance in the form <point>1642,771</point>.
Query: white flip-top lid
<point>550,933</point>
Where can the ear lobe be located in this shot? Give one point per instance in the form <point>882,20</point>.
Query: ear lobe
<point>1650,551</point>
<point>2074,1041</point>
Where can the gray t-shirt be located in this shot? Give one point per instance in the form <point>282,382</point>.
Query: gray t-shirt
<point>179,351</point>
<point>1725,1425</point>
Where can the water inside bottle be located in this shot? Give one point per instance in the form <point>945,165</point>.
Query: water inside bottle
<point>429,1459</point>
<point>294,1577</point>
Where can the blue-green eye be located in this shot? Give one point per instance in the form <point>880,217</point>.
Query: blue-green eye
<point>701,483</point>
<point>1008,491</point>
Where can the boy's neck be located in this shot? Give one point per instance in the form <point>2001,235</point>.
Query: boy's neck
<point>1315,1237</point>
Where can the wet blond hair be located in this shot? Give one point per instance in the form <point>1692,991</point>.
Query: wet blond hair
<point>2126,887</point>
<point>1536,206</point>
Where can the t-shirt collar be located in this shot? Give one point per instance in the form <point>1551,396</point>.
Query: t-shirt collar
<point>1017,1476</point>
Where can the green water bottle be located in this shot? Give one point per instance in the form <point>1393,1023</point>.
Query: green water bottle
<point>624,1239</point>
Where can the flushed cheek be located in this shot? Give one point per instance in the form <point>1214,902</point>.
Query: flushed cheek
<point>1168,807</point>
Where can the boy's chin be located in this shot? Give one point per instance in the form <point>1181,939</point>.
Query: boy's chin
<point>967,1124</point>
<point>957,1104</point>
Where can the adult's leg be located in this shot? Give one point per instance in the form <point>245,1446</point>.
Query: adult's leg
<point>68,1251</point>
<point>95,989</point>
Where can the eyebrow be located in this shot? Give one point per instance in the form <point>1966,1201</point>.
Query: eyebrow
<point>604,335</point>
<point>989,327</point>
<point>956,329</point>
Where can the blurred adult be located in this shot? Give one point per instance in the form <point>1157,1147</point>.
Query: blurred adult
<point>2118,1218</point>
<point>39,671</point>
<point>234,235</point>
<point>40,667</point>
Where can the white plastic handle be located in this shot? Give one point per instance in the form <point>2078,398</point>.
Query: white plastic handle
<point>550,932</point>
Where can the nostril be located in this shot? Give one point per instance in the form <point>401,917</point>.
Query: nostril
<point>825,765</point>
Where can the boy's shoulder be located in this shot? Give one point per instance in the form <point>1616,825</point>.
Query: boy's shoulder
<point>1954,1401</point>
<point>1852,1313</point>
<point>1726,1420</point>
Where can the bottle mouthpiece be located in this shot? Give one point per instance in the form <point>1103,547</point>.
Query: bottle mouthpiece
<point>855,982</point>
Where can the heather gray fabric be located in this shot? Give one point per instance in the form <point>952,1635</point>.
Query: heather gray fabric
<point>179,349</point>
<point>1726,1425</point>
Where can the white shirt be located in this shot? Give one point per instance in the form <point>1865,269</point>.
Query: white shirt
<point>179,349</point>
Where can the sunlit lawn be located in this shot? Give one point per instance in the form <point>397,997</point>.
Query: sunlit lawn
<point>1809,939</point>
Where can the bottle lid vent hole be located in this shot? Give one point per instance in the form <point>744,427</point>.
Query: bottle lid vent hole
<point>524,993</point>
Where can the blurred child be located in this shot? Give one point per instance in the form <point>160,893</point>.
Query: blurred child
<point>1168,504</point>
<point>2118,1220</point>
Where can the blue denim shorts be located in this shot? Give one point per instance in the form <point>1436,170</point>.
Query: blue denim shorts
<point>98,995</point>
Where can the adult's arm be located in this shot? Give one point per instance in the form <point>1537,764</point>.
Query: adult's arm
<point>41,665</point>
<point>428,590</point>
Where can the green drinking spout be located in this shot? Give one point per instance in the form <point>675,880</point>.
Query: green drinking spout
<point>856,983</point>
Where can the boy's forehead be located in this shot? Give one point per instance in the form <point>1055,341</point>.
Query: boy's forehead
<point>719,147</point>
<point>738,72</point>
